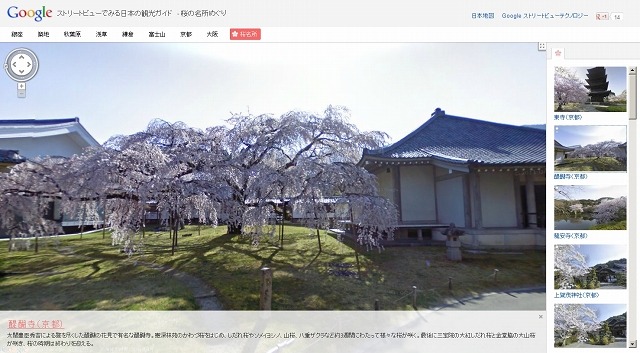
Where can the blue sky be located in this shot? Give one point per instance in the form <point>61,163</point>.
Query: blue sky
<point>605,311</point>
<point>117,88</point>
<point>590,192</point>
<point>601,253</point>
<point>586,135</point>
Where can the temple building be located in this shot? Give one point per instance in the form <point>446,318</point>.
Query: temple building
<point>486,178</point>
<point>597,84</point>
<point>9,158</point>
<point>45,137</point>
<point>23,139</point>
<point>561,152</point>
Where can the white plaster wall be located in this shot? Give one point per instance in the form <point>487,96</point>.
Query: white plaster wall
<point>417,193</point>
<point>504,239</point>
<point>385,184</point>
<point>497,196</point>
<point>31,147</point>
<point>450,201</point>
<point>559,157</point>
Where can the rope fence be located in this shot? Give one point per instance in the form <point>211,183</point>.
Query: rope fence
<point>411,296</point>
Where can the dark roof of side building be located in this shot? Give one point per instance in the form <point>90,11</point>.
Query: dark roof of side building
<point>467,141</point>
<point>30,128</point>
<point>560,147</point>
<point>38,121</point>
<point>10,156</point>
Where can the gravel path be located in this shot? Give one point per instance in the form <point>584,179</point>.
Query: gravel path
<point>205,296</point>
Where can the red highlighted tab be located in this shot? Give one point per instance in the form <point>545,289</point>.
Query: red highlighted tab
<point>245,34</point>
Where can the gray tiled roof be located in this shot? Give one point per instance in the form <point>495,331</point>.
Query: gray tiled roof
<point>560,147</point>
<point>467,141</point>
<point>38,121</point>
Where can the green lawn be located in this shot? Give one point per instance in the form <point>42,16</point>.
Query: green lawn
<point>232,265</point>
<point>613,108</point>
<point>51,280</point>
<point>581,107</point>
<point>591,164</point>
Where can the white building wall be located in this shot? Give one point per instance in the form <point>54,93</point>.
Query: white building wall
<point>559,157</point>
<point>30,147</point>
<point>504,239</point>
<point>450,201</point>
<point>385,184</point>
<point>497,197</point>
<point>417,193</point>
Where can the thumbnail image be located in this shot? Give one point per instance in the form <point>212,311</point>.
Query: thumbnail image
<point>283,176</point>
<point>590,89</point>
<point>590,266</point>
<point>590,325</point>
<point>590,148</point>
<point>590,207</point>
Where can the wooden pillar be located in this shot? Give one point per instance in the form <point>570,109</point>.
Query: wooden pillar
<point>519,210</point>
<point>532,213</point>
<point>265,288</point>
<point>466,196</point>
<point>396,190</point>
<point>477,204</point>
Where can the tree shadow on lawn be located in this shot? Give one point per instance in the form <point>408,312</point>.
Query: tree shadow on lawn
<point>114,287</point>
<point>301,273</point>
<point>302,280</point>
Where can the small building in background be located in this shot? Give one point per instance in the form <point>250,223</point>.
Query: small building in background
<point>24,139</point>
<point>560,152</point>
<point>9,158</point>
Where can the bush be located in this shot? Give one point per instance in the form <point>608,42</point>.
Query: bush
<point>622,225</point>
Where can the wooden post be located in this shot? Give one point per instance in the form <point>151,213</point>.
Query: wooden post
<point>318,236</point>
<point>84,213</point>
<point>477,203</point>
<point>174,234</point>
<point>450,283</point>
<point>284,215</point>
<point>315,213</point>
<point>355,249</point>
<point>495,274</point>
<point>415,296</point>
<point>532,213</point>
<point>376,305</point>
<point>265,288</point>
<point>104,219</point>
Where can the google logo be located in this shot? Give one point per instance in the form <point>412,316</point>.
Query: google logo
<point>37,15</point>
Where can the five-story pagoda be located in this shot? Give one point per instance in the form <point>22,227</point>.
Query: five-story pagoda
<point>597,84</point>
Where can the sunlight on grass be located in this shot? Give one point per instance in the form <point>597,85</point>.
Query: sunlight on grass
<point>52,281</point>
<point>92,274</point>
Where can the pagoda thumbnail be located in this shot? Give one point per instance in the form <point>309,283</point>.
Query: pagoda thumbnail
<point>597,84</point>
